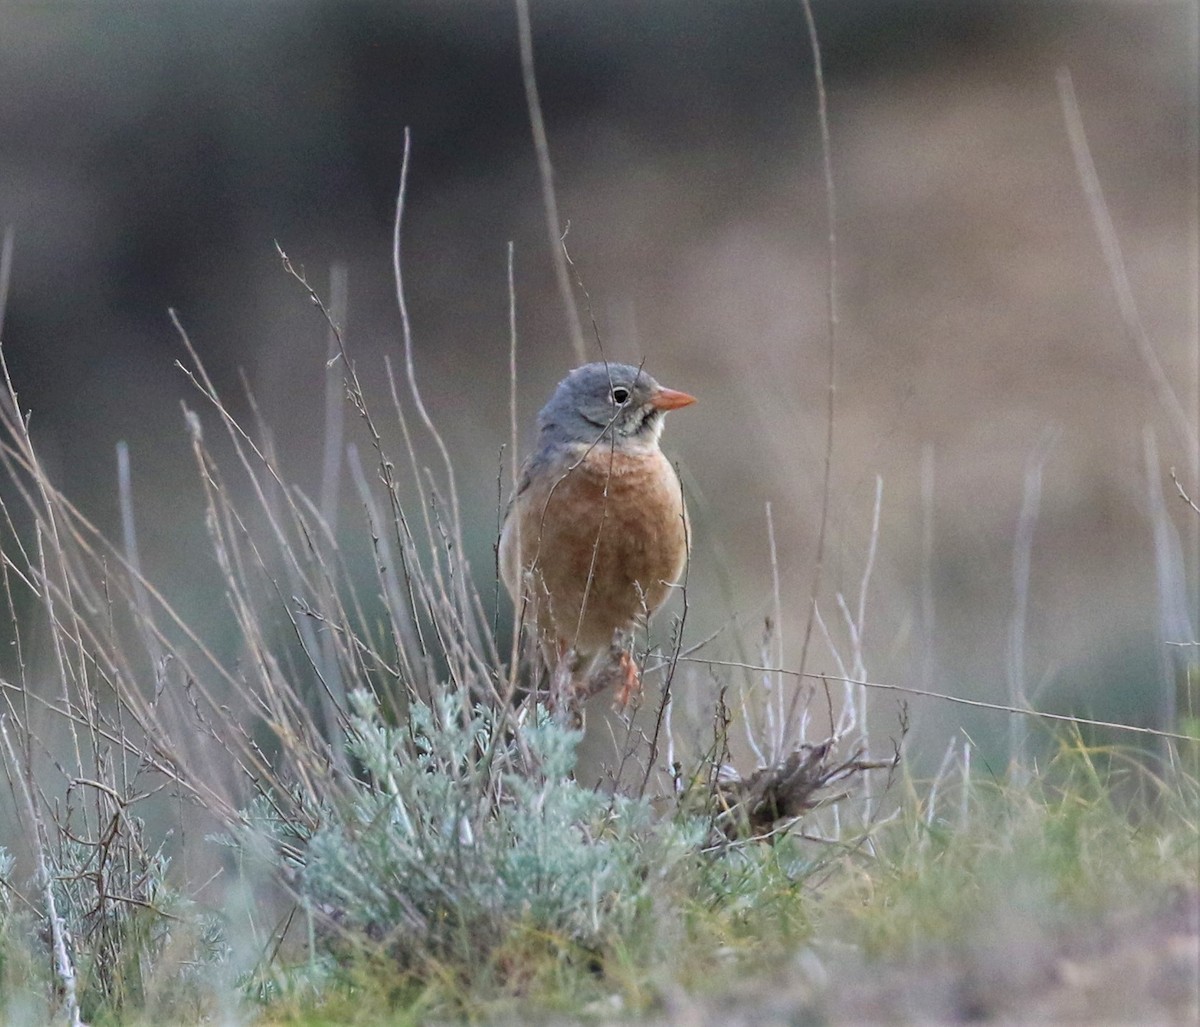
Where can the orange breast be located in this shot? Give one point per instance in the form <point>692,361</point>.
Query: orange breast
<point>604,542</point>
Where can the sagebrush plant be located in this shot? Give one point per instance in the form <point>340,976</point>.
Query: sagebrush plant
<point>149,944</point>
<point>437,856</point>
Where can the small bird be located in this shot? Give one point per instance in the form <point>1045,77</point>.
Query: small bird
<point>597,532</point>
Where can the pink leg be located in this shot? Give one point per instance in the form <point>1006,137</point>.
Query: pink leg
<point>630,688</point>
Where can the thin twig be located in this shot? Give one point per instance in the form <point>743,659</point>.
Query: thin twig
<point>928,608</point>
<point>776,739</point>
<point>1022,560</point>
<point>1089,180</point>
<point>6,256</point>
<point>410,371</point>
<point>832,322</point>
<point>676,649</point>
<point>335,421</point>
<point>1182,493</point>
<point>546,171</point>
<point>518,605</point>
<point>1171,580</point>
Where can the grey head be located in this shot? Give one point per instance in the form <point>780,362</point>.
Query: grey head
<point>602,401</point>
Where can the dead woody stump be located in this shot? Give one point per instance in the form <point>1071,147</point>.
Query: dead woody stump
<point>755,806</point>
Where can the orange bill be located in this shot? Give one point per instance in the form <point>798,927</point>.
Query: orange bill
<point>671,399</point>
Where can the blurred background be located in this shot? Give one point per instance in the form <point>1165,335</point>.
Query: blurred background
<point>151,155</point>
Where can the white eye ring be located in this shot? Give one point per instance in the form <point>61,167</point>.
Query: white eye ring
<point>620,395</point>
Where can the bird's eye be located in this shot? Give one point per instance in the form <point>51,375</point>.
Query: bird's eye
<point>620,395</point>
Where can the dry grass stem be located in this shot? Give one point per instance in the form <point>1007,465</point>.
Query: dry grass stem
<point>541,144</point>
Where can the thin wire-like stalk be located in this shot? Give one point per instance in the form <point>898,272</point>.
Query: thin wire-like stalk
<point>459,579</point>
<point>831,350</point>
<point>935,785</point>
<point>748,724</point>
<point>979,704</point>
<point>129,537</point>
<point>869,563</point>
<point>848,717</point>
<point>928,607</point>
<point>964,809</point>
<point>778,738</point>
<point>855,622</point>
<point>1089,181</point>
<point>1172,589</point>
<point>514,469</point>
<point>676,648</point>
<point>335,420</point>
<point>1193,193</point>
<point>541,146</point>
<point>1185,428</point>
<point>6,260</point>
<point>1022,559</point>
<point>57,627</point>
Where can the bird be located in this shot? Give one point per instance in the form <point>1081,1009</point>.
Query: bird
<point>597,531</point>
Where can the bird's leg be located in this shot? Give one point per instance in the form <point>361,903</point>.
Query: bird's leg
<point>630,688</point>
<point>565,694</point>
<point>619,670</point>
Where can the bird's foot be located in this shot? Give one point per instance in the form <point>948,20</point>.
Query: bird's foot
<point>566,693</point>
<point>616,670</point>
<point>622,671</point>
<point>630,688</point>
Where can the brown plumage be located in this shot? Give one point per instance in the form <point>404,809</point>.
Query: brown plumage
<point>597,532</point>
